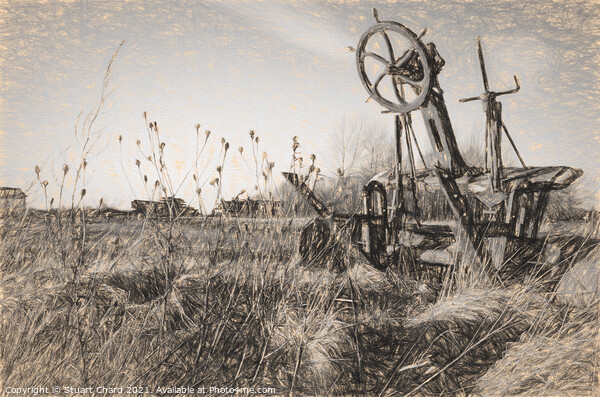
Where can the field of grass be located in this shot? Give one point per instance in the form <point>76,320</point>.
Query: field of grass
<point>226,302</point>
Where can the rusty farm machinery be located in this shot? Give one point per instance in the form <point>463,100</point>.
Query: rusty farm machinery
<point>496,210</point>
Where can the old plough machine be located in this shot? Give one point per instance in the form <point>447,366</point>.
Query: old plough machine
<point>496,210</point>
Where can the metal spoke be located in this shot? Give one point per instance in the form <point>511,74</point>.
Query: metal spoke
<point>375,87</point>
<point>388,42</point>
<point>404,58</point>
<point>377,57</point>
<point>396,89</point>
<point>376,84</point>
<point>402,102</point>
<point>408,80</point>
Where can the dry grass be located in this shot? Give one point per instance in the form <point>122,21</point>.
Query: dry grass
<point>142,312</point>
<point>454,342</point>
<point>560,363</point>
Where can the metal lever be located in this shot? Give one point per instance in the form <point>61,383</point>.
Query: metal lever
<point>516,89</point>
<point>487,94</point>
<point>376,15</point>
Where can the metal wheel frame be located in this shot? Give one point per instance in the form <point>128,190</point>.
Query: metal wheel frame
<point>392,65</point>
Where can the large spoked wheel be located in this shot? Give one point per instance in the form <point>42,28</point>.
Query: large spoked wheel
<point>393,66</point>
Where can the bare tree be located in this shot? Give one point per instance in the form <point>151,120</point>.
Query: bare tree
<point>344,148</point>
<point>376,151</point>
<point>357,151</point>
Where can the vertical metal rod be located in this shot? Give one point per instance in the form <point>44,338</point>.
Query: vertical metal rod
<point>413,171</point>
<point>482,65</point>
<point>398,210</point>
<point>411,155</point>
<point>412,131</point>
<point>495,143</point>
<point>486,169</point>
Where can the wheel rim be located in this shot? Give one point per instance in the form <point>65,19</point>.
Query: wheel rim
<point>409,69</point>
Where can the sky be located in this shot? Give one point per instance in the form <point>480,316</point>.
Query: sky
<point>280,68</point>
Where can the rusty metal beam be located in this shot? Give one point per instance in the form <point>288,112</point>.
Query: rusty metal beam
<point>307,193</point>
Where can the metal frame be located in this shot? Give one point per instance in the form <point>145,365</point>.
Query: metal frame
<point>497,210</point>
